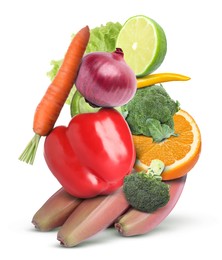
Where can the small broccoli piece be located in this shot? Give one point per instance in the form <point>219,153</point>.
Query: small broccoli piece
<point>156,168</point>
<point>151,103</point>
<point>145,192</point>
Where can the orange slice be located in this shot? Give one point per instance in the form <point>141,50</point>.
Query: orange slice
<point>179,153</point>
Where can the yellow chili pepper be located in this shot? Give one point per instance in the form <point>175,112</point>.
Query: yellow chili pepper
<point>159,78</point>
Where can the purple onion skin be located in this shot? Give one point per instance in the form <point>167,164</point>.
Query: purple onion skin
<point>105,80</point>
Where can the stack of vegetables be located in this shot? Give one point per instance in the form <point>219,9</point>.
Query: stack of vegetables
<point>97,156</point>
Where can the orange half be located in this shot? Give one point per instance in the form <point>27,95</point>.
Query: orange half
<point>179,153</point>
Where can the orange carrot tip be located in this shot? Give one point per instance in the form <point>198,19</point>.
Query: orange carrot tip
<point>28,155</point>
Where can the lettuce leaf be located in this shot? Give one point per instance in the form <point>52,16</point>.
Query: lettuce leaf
<point>102,38</point>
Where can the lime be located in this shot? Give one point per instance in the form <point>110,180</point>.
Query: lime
<point>144,44</point>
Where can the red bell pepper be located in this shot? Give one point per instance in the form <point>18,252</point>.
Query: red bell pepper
<point>92,155</point>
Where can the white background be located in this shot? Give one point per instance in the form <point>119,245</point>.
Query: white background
<point>33,33</point>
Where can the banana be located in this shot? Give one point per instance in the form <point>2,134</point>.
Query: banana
<point>55,211</point>
<point>135,222</point>
<point>81,219</point>
<point>90,217</point>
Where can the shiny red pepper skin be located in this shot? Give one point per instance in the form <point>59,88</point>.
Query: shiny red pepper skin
<point>92,155</point>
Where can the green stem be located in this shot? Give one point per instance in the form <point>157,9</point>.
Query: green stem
<point>28,155</point>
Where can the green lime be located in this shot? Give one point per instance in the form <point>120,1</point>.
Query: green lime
<point>144,44</point>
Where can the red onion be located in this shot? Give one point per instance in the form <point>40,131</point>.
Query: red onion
<point>105,80</point>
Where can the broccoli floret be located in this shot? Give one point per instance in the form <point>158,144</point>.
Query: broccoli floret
<point>156,168</point>
<point>145,192</point>
<point>151,110</point>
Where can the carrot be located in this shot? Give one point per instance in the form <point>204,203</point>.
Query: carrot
<point>52,102</point>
